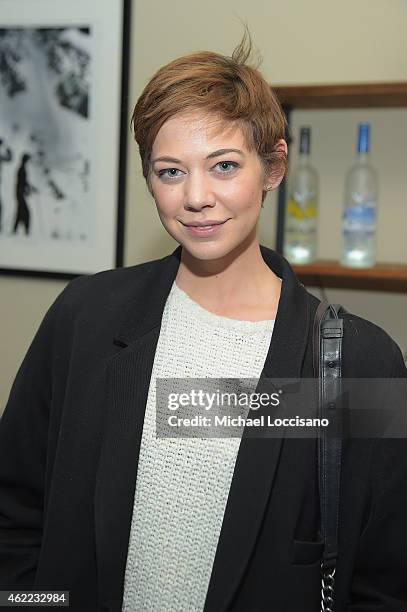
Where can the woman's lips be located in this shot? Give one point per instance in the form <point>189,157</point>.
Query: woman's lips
<point>205,230</point>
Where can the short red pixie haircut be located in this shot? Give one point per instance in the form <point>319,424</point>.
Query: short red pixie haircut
<point>223,86</point>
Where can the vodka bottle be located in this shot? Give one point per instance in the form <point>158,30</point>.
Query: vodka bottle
<point>359,214</point>
<point>300,243</point>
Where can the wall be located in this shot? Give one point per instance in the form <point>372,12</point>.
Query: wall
<point>318,41</point>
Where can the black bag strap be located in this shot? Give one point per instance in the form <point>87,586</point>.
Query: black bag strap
<point>327,357</point>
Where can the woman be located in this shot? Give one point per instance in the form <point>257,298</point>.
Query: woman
<point>91,500</point>
<point>23,189</point>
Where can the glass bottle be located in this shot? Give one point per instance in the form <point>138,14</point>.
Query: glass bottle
<point>300,244</point>
<point>360,207</point>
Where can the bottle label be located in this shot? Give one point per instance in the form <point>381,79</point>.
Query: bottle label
<point>308,210</point>
<point>361,214</point>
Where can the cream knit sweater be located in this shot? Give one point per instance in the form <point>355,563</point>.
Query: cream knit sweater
<point>183,484</point>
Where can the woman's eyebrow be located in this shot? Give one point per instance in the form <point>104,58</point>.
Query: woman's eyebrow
<point>223,151</point>
<point>174,160</point>
<point>171,160</point>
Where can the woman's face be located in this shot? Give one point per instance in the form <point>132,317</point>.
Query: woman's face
<point>202,172</point>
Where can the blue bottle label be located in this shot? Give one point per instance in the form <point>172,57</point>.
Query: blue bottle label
<point>361,214</point>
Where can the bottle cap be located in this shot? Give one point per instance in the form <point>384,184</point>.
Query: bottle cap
<point>363,137</point>
<point>305,140</point>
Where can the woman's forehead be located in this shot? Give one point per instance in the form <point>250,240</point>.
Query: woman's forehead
<point>199,129</point>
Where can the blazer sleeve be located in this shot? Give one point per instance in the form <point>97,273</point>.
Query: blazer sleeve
<point>379,579</point>
<point>23,458</point>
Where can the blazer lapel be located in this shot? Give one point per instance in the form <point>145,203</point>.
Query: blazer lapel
<point>128,379</point>
<point>258,458</point>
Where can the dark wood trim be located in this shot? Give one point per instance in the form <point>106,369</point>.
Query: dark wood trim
<point>282,193</point>
<point>382,277</point>
<point>367,95</point>
<point>124,129</point>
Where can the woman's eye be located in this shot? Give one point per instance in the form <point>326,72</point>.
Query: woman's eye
<point>226,166</point>
<point>170,173</point>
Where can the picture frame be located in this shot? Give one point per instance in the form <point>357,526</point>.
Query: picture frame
<point>64,123</point>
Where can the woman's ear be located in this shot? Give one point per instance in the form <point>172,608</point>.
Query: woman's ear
<point>278,166</point>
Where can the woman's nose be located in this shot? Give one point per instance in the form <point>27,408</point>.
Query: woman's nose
<point>198,192</point>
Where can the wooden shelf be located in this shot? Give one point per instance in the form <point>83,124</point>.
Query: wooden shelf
<point>368,95</point>
<point>382,277</point>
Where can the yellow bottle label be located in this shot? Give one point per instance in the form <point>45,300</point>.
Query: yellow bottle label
<point>294,209</point>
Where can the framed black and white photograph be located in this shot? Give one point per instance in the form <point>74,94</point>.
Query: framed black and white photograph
<point>63,132</point>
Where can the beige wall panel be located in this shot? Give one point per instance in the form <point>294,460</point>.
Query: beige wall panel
<point>318,41</point>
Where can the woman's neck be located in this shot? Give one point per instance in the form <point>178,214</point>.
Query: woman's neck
<point>240,286</point>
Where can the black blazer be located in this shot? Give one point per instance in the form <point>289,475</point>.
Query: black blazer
<point>70,439</point>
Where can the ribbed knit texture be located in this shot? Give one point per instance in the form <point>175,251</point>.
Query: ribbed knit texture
<point>183,484</point>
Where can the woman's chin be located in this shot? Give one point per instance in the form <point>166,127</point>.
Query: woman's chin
<point>205,250</point>
<point>209,249</point>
